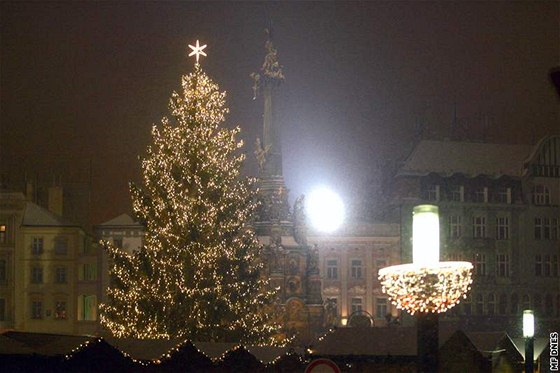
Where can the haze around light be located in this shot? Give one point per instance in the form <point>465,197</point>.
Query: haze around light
<point>325,210</point>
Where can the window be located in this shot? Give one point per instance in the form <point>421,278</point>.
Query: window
<point>457,193</point>
<point>490,304</point>
<point>356,305</point>
<point>356,269</point>
<point>548,305</point>
<point>60,275</point>
<point>60,310</point>
<point>432,193</point>
<point>537,303</point>
<point>526,303</point>
<point>479,304</point>
<point>502,228</point>
<point>479,227</point>
<point>555,266</point>
<point>381,263</point>
<point>479,264</point>
<point>546,228</point>
<point>538,265</point>
<point>538,228</point>
<point>118,242</point>
<point>2,309</point>
<point>455,257</point>
<point>36,309</point>
<point>546,266</point>
<point>502,304</point>
<point>514,304</point>
<point>503,195</point>
<point>381,307</point>
<point>502,265</point>
<point>87,307</point>
<point>332,269</point>
<point>3,237</point>
<point>61,246</point>
<point>3,271</point>
<point>541,195</point>
<point>455,226</point>
<point>88,272</point>
<point>37,246</point>
<point>37,275</point>
<point>481,195</point>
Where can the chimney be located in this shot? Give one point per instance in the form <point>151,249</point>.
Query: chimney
<point>55,200</point>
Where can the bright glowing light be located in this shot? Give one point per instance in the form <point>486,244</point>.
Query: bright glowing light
<point>325,210</point>
<point>528,324</point>
<point>197,50</point>
<point>425,235</point>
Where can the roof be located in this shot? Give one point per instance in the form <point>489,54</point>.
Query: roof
<point>468,158</point>
<point>119,221</point>
<point>42,343</point>
<point>38,216</point>
<point>144,349</point>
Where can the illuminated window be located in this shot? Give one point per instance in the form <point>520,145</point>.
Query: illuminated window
<point>88,272</point>
<point>356,269</point>
<point>455,226</point>
<point>87,307</point>
<point>60,310</point>
<point>479,264</point>
<point>60,275</point>
<point>479,227</point>
<point>36,309</point>
<point>502,265</point>
<point>355,305</point>
<point>381,307</point>
<point>61,246</point>
<point>37,246</point>
<point>541,195</point>
<point>502,228</point>
<point>3,233</point>
<point>332,269</point>
<point>37,275</point>
<point>457,193</point>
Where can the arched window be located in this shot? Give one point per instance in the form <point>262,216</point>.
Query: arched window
<point>479,304</point>
<point>502,304</point>
<point>541,195</point>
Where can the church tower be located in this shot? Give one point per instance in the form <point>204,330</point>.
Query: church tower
<point>291,264</point>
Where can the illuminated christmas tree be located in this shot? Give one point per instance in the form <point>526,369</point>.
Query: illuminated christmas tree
<point>198,275</point>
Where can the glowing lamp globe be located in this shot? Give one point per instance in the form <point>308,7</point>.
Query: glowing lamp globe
<point>425,235</point>
<point>325,210</point>
<point>528,324</point>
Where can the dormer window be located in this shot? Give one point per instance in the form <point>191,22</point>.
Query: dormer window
<point>432,193</point>
<point>457,193</point>
<point>541,195</point>
<point>503,195</point>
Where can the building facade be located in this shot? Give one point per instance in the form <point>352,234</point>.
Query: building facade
<point>499,209</point>
<point>49,269</point>
<point>349,261</point>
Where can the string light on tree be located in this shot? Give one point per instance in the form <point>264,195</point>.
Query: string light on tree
<point>198,275</point>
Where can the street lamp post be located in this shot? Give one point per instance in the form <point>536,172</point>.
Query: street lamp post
<point>529,335</point>
<point>426,286</point>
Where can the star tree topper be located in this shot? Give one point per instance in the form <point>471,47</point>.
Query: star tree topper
<point>197,50</point>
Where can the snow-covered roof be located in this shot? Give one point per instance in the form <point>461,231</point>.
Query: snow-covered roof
<point>467,158</point>
<point>38,216</point>
<point>119,221</point>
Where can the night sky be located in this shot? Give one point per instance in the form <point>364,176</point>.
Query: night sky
<point>82,83</point>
